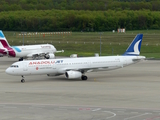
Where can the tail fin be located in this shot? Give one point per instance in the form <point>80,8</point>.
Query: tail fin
<point>135,46</point>
<point>3,41</point>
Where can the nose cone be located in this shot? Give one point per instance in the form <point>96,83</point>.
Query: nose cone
<point>9,71</point>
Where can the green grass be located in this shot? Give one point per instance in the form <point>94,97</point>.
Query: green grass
<point>88,43</point>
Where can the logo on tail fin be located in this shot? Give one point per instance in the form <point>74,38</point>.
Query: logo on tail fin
<point>3,40</point>
<point>1,34</point>
<point>4,43</point>
<point>5,47</point>
<point>136,49</point>
<point>135,46</point>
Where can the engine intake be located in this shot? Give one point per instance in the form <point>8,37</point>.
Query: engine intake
<point>49,56</point>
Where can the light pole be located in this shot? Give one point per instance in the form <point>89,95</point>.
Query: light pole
<point>23,36</point>
<point>100,42</point>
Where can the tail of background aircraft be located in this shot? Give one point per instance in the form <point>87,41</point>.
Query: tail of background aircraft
<point>3,41</point>
<point>135,46</point>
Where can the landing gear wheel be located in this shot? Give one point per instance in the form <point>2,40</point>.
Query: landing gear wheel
<point>22,81</point>
<point>84,77</point>
<point>21,59</point>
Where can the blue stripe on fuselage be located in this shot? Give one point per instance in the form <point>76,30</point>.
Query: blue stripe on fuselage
<point>16,48</point>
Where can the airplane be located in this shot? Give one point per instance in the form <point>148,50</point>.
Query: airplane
<point>27,51</point>
<point>74,68</point>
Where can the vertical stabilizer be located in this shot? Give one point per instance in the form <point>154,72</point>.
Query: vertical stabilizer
<point>135,46</point>
<point>3,41</point>
<point>2,35</point>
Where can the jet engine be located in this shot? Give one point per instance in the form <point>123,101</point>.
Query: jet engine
<point>73,74</point>
<point>49,56</point>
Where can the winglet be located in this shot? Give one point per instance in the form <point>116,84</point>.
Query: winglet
<point>135,46</point>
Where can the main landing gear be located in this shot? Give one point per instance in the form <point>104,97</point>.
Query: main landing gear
<point>84,77</point>
<point>21,59</point>
<point>22,81</point>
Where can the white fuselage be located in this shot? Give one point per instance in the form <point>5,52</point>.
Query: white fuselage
<point>60,66</point>
<point>30,50</point>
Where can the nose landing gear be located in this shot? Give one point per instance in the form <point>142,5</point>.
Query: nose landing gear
<point>22,81</point>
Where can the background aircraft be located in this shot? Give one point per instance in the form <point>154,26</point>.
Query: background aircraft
<point>27,51</point>
<point>74,68</point>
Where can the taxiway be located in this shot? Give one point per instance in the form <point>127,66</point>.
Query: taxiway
<point>130,93</point>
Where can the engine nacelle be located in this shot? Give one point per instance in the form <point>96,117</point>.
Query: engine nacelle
<point>49,56</point>
<point>73,74</point>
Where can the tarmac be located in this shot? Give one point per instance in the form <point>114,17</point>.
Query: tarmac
<point>130,93</point>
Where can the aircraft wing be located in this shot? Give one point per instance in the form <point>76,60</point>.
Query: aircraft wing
<point>36,54</point>
<point>83,70</point>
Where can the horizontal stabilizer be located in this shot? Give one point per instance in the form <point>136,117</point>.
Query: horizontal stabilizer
<point>60,51</point>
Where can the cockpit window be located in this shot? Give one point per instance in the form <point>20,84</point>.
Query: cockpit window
<point>14,66</point>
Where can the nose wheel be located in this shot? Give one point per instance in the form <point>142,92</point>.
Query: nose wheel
<point>22,81</point>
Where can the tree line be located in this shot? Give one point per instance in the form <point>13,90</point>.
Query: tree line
<point>93,5</point>
<point>82,20</point>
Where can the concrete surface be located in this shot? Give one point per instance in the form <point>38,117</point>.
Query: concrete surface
<point>130,93</point>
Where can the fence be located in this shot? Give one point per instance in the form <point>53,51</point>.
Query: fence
<point>42,34</point>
